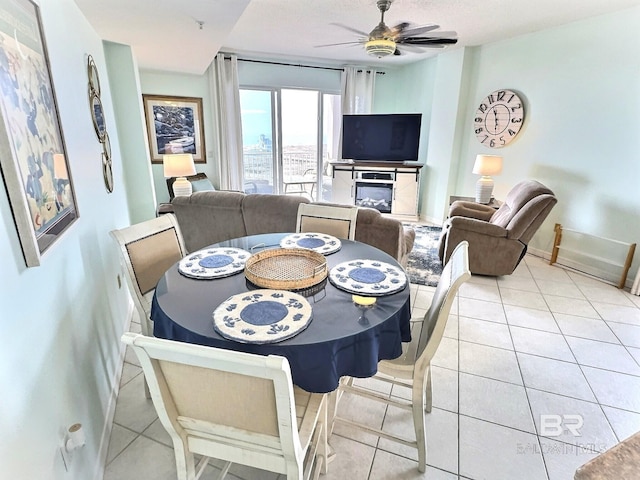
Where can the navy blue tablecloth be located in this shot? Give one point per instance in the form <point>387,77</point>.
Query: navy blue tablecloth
<point>339,340</point>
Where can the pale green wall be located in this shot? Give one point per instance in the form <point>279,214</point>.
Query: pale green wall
<point>581,87</point>
<point>449,97</point>
<point>411,89</point>
<point>249,74</point>
<point>182,85</point>
<point>131,128</point>
<point>61,321</point>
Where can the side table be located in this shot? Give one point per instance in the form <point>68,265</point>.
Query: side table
<point>164,208</point>
<point>493,203</point>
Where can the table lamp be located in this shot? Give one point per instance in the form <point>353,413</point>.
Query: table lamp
<point>179,165</point>
<point>486,165</point>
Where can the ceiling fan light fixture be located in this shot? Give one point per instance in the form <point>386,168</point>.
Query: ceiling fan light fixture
<point>380,47</point>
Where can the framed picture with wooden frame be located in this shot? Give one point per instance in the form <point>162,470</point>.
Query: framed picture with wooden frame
<point>174,125</point>
<point>33,154</point>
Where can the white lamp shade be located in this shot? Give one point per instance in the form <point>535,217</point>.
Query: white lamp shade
<point>178,165</point>
<point>487,165</point>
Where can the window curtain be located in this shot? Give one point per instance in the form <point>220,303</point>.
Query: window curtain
<point>357,89</point>
<point>357,93</point>
<point>225,92</point>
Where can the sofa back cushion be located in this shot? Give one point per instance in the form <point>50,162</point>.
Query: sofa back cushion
<point>264,213</point>
<point>209,217</point>
<point>517,198</point>
<point>524,209</point>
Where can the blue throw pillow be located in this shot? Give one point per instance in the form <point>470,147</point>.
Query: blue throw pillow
<point>202,185</point>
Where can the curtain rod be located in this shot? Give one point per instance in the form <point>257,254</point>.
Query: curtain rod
<point>296,65</point>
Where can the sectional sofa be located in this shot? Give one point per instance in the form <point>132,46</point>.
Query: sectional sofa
<point>215,216</point>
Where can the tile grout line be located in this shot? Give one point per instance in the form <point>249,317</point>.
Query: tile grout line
<point>532,417</point>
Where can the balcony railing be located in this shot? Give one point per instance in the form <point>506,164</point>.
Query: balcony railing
<point>258,167</point>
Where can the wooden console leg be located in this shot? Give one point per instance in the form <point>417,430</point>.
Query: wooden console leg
<point>627,265</point>
<point>556,243</point>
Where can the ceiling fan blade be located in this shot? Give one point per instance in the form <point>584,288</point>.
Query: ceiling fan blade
<point>450,33</point>
<point>412,32</point>
<point>407,47</point>
<point>351,29</point>
<point>428,41</point>
<point>336,44</point>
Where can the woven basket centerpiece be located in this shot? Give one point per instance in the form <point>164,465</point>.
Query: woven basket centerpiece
<point>286,268</point>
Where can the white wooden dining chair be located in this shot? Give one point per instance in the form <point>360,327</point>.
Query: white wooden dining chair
<point>233,406</point>
<point>413,368</point>
<point>339,221</point>
<point>147,250</point>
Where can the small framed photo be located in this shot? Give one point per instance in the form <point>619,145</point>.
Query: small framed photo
<point>174,125</point>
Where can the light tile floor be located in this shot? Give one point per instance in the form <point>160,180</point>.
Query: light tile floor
<point>517,349</point>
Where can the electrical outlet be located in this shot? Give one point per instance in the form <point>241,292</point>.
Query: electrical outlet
<point>72,440</point>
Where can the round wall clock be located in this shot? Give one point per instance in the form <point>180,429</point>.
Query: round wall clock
<point>499,118</point>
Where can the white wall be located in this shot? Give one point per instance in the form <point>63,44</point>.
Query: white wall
<point>252,74</point>
<point>61,321</point>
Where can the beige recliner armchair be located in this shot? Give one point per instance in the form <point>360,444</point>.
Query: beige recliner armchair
<point>497,238</point>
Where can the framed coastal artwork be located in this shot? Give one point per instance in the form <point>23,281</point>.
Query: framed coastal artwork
<point>174,125</point>
<point>33,156</point>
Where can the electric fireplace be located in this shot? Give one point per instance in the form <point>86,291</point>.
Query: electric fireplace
<point>378,195</point>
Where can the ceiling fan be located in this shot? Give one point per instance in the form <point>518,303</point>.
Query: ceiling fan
<point>384,40</point>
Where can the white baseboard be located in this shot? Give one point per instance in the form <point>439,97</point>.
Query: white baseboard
<point>582,268</point>
<point>103,450</point>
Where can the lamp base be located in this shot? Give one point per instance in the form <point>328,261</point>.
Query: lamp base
<point>484,189</point>
<point>182,187</point>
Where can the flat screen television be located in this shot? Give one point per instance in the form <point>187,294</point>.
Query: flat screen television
<point>391,137</point>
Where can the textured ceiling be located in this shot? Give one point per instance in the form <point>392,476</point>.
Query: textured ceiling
<point>166,34</point>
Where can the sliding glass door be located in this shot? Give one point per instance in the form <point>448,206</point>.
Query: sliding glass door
<point>258,134</point>
<point>289,137</point>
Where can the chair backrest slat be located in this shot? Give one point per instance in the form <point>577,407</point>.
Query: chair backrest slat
<point>152,255</point>
<point>222,398</point>
<point>217,395</point>
<point>454,274</point>
<point>147,250</point>
<point>332,220</point>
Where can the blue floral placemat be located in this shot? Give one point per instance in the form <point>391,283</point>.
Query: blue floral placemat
<point>318,242</point>
<point>213,263</point>
<point>368,277</point>
<point>262,316</point>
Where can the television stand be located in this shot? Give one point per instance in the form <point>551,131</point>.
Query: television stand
<point>390,187</point>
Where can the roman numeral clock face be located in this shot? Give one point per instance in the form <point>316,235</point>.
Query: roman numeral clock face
<point>499,118</point>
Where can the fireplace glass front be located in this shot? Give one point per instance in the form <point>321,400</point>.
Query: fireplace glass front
<point>374,195</point>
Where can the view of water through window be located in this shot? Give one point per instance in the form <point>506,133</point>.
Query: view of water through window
<point>300,166</point>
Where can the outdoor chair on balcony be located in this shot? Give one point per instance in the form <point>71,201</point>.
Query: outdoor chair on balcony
<point>303,185</point>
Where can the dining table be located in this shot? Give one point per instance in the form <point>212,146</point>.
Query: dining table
<point>343,338</point>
